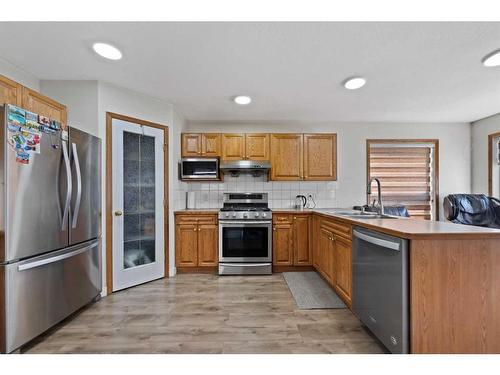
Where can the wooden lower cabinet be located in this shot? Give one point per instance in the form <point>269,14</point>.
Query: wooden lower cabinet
<point>186,245</point>
<point>291,239</point>
<point>332,255</point>
<point>282,244</point>
<point>196,241</point>
<point>326,255</point>
<point>208,237</point>
<point>343,268</point>
<point>301,240</point>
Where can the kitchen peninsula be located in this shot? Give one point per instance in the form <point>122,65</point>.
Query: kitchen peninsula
<point>454,282</point>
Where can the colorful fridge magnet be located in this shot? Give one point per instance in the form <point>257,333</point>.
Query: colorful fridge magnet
<point>44,120</point>
<point>16,110</point>
<point>55,125</point>
<point>32,143</point>
<point>19,141</point>
<point>30,116</point>
<point>22,157</point>
<point>13,128</point>
<point>16,119</point>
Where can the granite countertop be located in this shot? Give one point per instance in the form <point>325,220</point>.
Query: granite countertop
<point>401,227</point>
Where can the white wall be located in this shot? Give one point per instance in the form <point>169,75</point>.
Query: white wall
<point>454,145</point>
<point>16,74</point>
<point>81,99</point>
<point>480,131</point>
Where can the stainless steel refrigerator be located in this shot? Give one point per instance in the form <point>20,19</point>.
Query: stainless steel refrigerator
<point>50,232</point>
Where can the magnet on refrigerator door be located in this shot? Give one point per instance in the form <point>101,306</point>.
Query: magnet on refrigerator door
<point>22,157</point>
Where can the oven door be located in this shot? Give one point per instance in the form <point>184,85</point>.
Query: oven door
<point>241,241</point>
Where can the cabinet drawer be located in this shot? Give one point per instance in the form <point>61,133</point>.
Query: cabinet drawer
<point>282,218</point>
<point>207,219</point>
<point>196,219</point>
<point>338,228</point>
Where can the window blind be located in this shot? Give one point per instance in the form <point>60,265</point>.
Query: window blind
<point>406,175</point>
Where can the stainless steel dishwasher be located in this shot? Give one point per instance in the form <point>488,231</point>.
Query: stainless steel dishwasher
<point>380,286</point>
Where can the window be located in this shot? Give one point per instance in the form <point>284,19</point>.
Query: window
<point>494,165</point>
<point>408,172</point>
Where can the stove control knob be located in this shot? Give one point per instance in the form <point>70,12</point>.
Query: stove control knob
<point>234,214</point>
<point>256,214</point>
<point>264,214</point>
<point>227,214</point>
<point>245,215</point>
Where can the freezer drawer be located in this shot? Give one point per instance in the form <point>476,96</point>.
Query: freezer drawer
<point>42,291</point>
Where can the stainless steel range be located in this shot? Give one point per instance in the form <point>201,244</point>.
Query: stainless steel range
<point>245,235</point>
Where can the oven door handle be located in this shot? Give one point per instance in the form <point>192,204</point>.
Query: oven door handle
<point>231,222</point>
<point>244,264</point>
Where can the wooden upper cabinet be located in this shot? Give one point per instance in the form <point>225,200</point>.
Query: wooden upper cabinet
<point>210,144</point>
<point>286,157</point>
<point>302,249</point>
<point>35,102</point>
<point>191,145</point>
<point>320,157</point>
<point>233,146</point>
<point>10,91</point>
<point>257,146</point>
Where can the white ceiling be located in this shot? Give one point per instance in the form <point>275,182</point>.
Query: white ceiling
<point>416,72</point>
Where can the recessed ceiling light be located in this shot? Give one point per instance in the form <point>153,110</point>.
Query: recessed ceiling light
<point>107,51</point>
<point>492,59</point>
<point>354,83</point>
<point>242,99</point>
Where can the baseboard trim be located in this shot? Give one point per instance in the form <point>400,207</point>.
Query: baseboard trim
<point>213,269</point>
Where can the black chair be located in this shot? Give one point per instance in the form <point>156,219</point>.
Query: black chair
<point>472,209</point>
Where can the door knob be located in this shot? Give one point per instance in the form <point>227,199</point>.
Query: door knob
<point>118,213</point>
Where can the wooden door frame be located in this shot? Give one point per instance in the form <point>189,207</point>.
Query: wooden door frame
<point>435,142</point>
<point>110,116</point>
<point>491,137</point>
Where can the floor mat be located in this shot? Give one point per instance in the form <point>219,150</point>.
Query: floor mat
<point>310,291</point>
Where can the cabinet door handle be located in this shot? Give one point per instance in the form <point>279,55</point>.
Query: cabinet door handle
<point>274,228</point>
<point>195,229</point>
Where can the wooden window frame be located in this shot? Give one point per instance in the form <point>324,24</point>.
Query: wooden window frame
<point>434,142</point>
<point>491,137</point>
<point>110,116</point>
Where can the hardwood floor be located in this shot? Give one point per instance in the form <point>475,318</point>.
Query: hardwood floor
<point>199,313</point>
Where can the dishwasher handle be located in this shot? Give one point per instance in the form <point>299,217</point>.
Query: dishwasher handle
<point>396,246</point>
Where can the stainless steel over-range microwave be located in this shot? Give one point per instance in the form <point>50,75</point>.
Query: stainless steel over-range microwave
<point>199,169</point>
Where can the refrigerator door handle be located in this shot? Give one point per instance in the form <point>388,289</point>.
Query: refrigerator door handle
<point>69,185</point>
<point>78,187</point>
<point>57,258</point>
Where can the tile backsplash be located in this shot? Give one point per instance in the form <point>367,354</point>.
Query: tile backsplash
<point>281,194</point>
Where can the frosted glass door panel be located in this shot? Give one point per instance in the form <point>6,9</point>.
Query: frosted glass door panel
<point>138,190</point>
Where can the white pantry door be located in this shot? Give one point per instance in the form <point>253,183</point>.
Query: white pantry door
<point>138,207</point>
